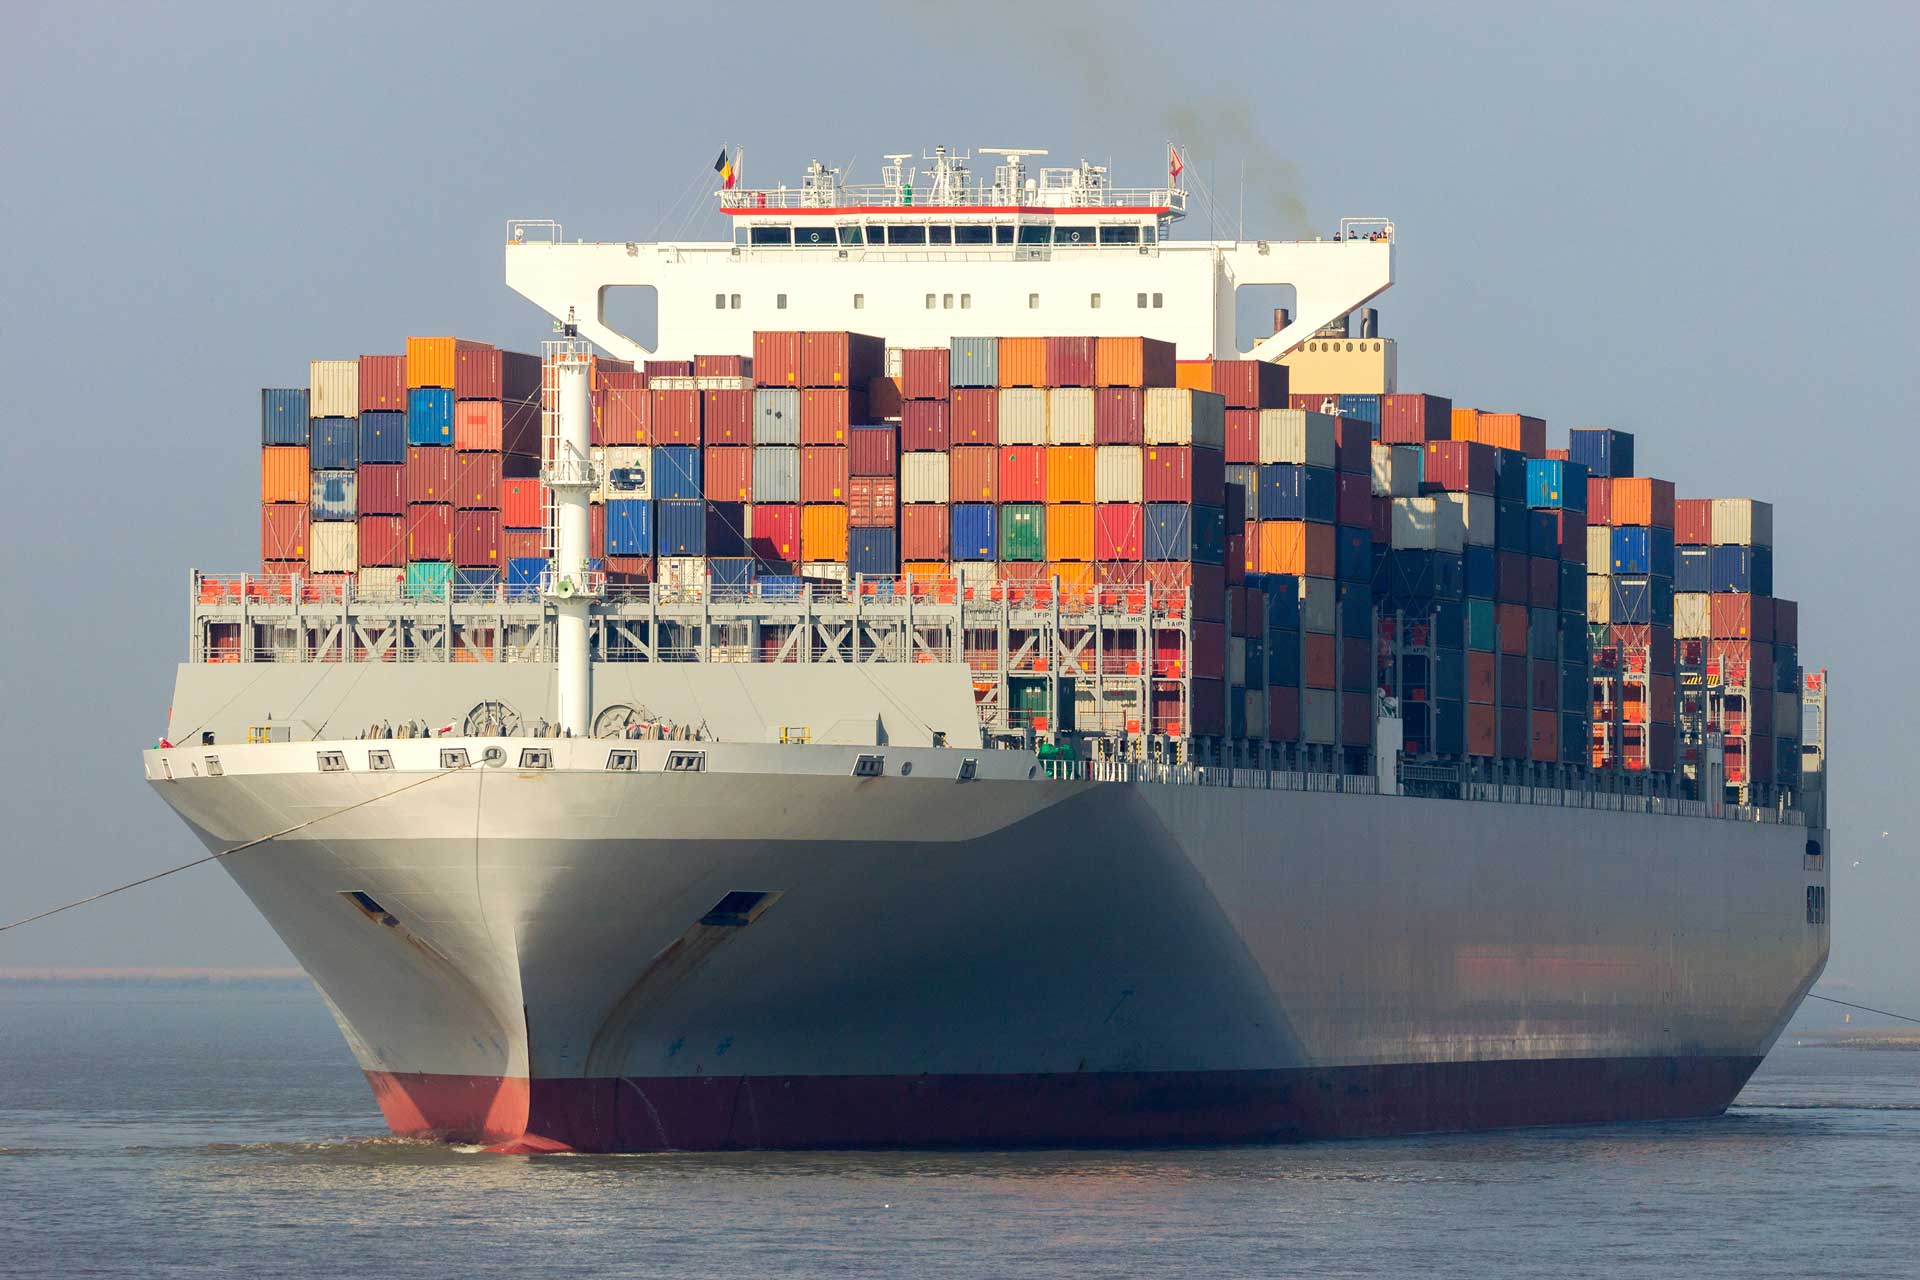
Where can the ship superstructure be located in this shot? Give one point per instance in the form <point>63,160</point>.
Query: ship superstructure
<point>716,857</point>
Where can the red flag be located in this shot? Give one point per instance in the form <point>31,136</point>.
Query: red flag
<point>1174,163</point>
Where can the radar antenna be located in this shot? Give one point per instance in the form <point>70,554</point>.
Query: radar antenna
<point>1009,179</point>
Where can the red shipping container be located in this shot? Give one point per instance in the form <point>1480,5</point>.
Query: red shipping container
<point>383,383</point>
<point>673,417</point>
<point>476,539</point>
<point>1243,436</point>
<point>1543,676</point>
<point>522,504</point>
<point>1543,744</point>
<point>1209,654</point>
<point>1571,533</point>
<point>1250,384</point>
<point>1786,622</point>
<point>925,427</point>
<point>1181,473</point>
<point>1693,522</point>
<point>826,415</point>
<point>726,417</point>
<point>621,415</point>
<point>776,358</point>
<point>1318,654</point>
<point>723,366</point>
<point>1023,473</point>
<point>1119,531</point>
<point>1557,455</point>
<point>775,539</point>
<point>429,531</point>
<point>524,544</point>
<point>976,415</point>
<point>430,476</point>
<point>1172,579</point>
<point>1119,573</point>
<point>836,358</point>
<point>973,474</point>
<point>1070,362</point>
<point>883,399</point>
<point>1543,582</point>
<point>728,473</point>
<point>824,473</point>
<point>476,481</point>
<point>1415,419</point>
<point>873,451</point>
<point>924,376</point>
<point>629,570</point>
<point>1356,719</point>
<point>1283,714</point>
<point>284,530</point>
<point>1382,522</point>
<point>596,531</point>
<point>496,426</point>
<point>1511,622</point>
<point>925,531</point>
<point>383,541</point>
<point>1459,466</point>
<point>1119,415</point>
<point>1353,504</point>
<point>1353,445</point>
<point>381,489</point>
<point>1481,669</point>
<point>667,368</point>
<point>615,375</point>
<point>873,502</point>
<point>1599,500</point>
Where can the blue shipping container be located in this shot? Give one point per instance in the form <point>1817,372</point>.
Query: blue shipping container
<point>1356,611</point>
<point>779,586</point>
<point>1638,549</point>
<point>429,415</point>
<point>1640,600</point>
<point>735,573</point>
<point>676,475</point>
<point>383,436</point>
<point>476,584</point>
<point>1543,533</point>
<point>1573,587</point>
<point>1543,634</point>
<point>1693,568</point>
<point>1742,569</point>
<point>1169,531</point>
<point>335,495</point>
<point>873,552</point>
<point>1283,657</point>
<point>629,527</point>
<point>974,362</point>
<point>680,526</point>
<point>1323,493</point>
<point>333,444</point>
<point>1280,492</point>
<point>1601,451</point>
<point>1366,408</point>
<point>1510,476</point>
<point>283,415</point>
<point>1353,554</point>
<point>1283,601</point>
<point>1483,573</point>
<point>1247,477</point>
<point>1209,535</point>
<point>1557,485</point>
<point>975,527</point>
<point>523,576</point>
<point>1510,525</point>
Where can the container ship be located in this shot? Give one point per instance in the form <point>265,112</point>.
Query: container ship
<point>939,691</point>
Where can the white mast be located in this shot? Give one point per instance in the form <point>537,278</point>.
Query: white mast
<point>570,583</point>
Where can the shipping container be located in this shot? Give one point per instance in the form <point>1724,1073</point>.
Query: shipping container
<point>726,416</point>
<point>1133,362</point>
<point>430,476</point>
<point>476,481</point>
<point>1459,466</point>
<point>673,416</point>
<point>333,388</point>
<point>439,362</point>
<point>334,444</point>
<point>774,534</point>
<point>1177,474</point>
<point>332,495</point>
<point>924,478</point>
<point>630,527</point>
<point>873,552</point>
<point>1693,521</point>
<point>873,451</point>
<point>283,474</point>
<point>925,425</point>
<point>873,502</point>
<point>429,579</point>
<point>1742,522</point>
<point>382,541</point>
<point>1477,517</point>
<point>1070,415</point>
<point>836,358</point>
<point>776,415</point>
<point>974,362</point>
<point>1178,416</point>
<point>1022,416</point>
<point>533,542</point>
<point>1022,362</point>
<point>430,531</point>
<point>1023,529</point>
<point>476,539</point>
<point>776,474</point>
<point>1023,473</point>
<point>1119,531</point>
<point>1556,484</point>
<point>824,472</point>
<point>1299,437</point>
<point>1119,473</point>
<point>827,415</point>
<point>776,364</point>
<point>284,530</point>
<point>1249,384</point>
<point>1514,431</point>
<point>429,416</point>
<point>1429,524</point>
<point>1069,530</point>
<point>1069,476</point>
<point>383,437</point>
<point>381,384</point>
<point>283,416</point>
<point>1295,547</point>
<point>1396,470</point>
<point>727,473</point>
<point>1602,452</point>
<point>883,400</point>
<point>1070,363</point>
<point>823,532</point>
<point>1640,501</point>
<point>974,474</point>
<point>522,503</point>
<point>924,373</point>
<point>976,529</point>
<point>1352,445</point>
<point>677,473</point>
<point>925,532</point>
<point>1415,419</point>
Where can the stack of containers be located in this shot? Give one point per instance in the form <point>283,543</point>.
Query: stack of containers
<point>1461,480</point>
<point>1631,523</point>
<point>333,454</point>
<point>1727,625</point>
<point>623,493</point>
<point>1419,591</point>
<point>830,372</point>
<point>1557,609</point>
<point>973,466</point>
<point>773,518</point>
<point>286,488</point>
<point>380,487</point>
<point>926,437</point>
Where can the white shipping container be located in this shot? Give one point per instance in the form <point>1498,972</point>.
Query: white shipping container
<point>1396,471</point>
<point>334,547</point>
<point>1119,473</point>
<point>1692,614</point>
<point>1298,437</point>
<point>923,477</point>
<point>1742,522</point>
<point>1023,415</point>
<point>380,582</point>
<point>1428,524</point>
<point>976,574</point>
<point>1599,544</point>
<point>683,573</point>
<point>1110,710</point>
<point>834,570</point>
<point>1317,707</point>
<point>1786,716</point>
<point>1237,660</point>
<point>1177,415</point>
<point>896,361</point>
<point>333,388</point>
<point>1319,605</point>
<point>634,459</point>
<point>1599,598</point>
<point>1476,517</point>
<point>1070,415</point>
<point>776,415</point>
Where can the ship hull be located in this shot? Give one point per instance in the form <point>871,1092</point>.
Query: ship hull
<point>1008,961</point>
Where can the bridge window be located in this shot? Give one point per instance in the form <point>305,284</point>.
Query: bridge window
<point>1003,235</point>
<point>1119,235</point>
<point>770,235</point>
<point>1036,235</point>
<point>1075,235</point>
<point>973,233</point>
<point>939,235</point>
<point>876,234</point>
<point>1149,234</point>
<point>852,235</point>
<point>814,235</point>
<point>906,235</point>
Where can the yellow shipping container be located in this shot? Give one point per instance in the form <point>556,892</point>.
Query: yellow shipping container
<point>1070,532</point>
<point>823,531</point>
<point>1070,473</point>
<point>283,474</point>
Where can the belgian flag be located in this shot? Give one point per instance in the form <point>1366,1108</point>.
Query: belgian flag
<point>724,167</point>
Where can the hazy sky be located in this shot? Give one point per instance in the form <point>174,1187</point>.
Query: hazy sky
<point>1695,222</point>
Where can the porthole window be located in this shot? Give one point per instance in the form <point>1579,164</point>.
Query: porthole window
<point>1349,346</point>
<point>906,768</point>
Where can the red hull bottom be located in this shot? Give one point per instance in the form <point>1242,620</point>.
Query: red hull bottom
<point>716,1113</point>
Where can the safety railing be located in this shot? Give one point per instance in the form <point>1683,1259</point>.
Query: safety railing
<point>861,197</point>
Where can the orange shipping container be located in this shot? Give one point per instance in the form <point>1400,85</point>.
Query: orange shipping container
<point>974,475</point>
<point>927,570</point>
<point>823,478</point>
<point>1641,500</point>
<point>1465,425</point>
<point>728,473</point>
<point>823,532</point>
<point>435,362</point>
<point>1023,362</point>
<point>1196,375</point>
<point>1070,532</point>
<point>1133,362</point>
<point>1513,431</point>
<point>1300,547</point>
<point>283,474</point>
<point>1070,474</point>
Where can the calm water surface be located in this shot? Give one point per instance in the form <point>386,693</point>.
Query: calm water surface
<point>151,1129</point>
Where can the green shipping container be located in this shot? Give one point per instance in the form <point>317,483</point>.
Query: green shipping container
<point>428,579</point>
<point>1023,531</point>
<point>1028,698</point>
<point>1482,633</point>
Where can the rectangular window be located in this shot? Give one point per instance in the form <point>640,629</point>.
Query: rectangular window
<point>1036,235</point>
<point>946,302</point>
<point>929,302</point>
<point>859,302</point>
<point>851,235</point>
<point>1075,235</point>
<point>1816,904</point>
<point>1150,233</point>
<point>453,757</point>
<point>939,235</point>
<point>1140,300</point>
<point>869,766</point>
<point>686,762</point>
<point>333,761</point>
<point>379,760</point>
<point>1119,235</point>
<point>622,761</point>
<point>780,301</point>
<point>213,767</point>
<point>1156,300</point>
<point>1094,301</point>
<point>770,235</point>
<point>536,758</point>
<point>719,302</point>
<point>906,235</point>
<point>814,235</point>
<point>733,301</point>
<point>973,233</point>
<point>1033,302</point>
<point>876,234</point>
<point>1003,235</point>
<point>966,301</point>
